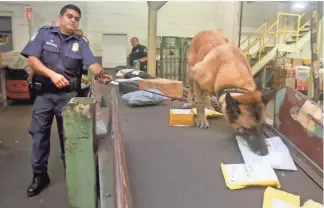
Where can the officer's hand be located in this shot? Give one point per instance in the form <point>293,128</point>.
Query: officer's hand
<point>106,78</point>
<point>103,78</point>
<point>59,80</point>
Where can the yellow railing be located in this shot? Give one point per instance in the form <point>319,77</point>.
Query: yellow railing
<point>272,34</point>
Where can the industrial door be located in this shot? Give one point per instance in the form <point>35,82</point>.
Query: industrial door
<point>114,50</point>
<point>5,34</point>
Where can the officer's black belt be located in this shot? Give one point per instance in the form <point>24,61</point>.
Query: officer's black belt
<point>49,88</point>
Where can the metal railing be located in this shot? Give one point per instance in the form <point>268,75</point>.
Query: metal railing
<point>273,33</point>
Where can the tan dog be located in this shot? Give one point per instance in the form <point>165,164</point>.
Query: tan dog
<point>201,44</point>
<point>222,69</point>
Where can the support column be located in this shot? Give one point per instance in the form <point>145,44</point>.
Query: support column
<point>153,7</point>
<point>231,18</point>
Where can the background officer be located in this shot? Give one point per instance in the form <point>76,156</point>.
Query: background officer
<point>56,55</point>
<point>138,54</point>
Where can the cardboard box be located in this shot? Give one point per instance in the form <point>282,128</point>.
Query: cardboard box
<point>171,88</point>
<point>288,66</point>
<point>288,61</point>
<point>181,117</point>
<point>302,85</point>
<point>290,82</point>
<point>302,77</point>
<point>298,62</point>
<point>17,89</point>
<point>307,61</point>
<point>291,73</point>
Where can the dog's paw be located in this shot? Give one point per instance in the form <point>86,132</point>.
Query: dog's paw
<point>202,124</point>
<point>187,105</point>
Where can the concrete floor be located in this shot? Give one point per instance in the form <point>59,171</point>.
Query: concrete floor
<point>15,169</point>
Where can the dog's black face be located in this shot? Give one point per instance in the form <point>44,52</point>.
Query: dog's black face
<point>246,114</point>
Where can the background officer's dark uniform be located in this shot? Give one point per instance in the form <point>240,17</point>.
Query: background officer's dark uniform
<point>64,55</point>
<point>137,53</point>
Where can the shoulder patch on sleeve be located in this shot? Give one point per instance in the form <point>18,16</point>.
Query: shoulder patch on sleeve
<point>46,27</point>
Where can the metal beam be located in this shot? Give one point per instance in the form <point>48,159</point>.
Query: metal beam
<point>153,7</point>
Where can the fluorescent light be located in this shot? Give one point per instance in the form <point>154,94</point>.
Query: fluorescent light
<point>299,5</point>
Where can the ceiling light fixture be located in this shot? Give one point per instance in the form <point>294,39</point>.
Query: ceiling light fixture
<point>299,5</point>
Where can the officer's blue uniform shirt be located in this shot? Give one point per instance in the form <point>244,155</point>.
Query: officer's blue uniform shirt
<point>65,56</point>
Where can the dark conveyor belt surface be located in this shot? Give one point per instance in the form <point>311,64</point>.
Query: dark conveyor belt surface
<point>179,167</point>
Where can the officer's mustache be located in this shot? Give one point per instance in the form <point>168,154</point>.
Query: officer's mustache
<point>72,24</point>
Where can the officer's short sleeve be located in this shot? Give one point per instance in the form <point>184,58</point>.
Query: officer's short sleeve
<point>87,55</point>
<point>34,46</point>
<point>144,51</point>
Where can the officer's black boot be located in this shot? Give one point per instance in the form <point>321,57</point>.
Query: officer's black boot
<point>40,181</point>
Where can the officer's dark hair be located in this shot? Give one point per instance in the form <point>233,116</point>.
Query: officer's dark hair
<point>72,7</point>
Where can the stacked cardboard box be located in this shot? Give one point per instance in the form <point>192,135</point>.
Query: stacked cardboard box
<point>297,62</point>
<point>171,88</point>
<point>279,77</point>
<point>290,79</point>
<point>302,77</point>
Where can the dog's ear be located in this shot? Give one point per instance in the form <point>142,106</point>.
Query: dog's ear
<point>232,107</point>
<point>267,96</point>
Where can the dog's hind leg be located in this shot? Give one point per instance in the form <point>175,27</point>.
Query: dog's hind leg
<point>202,121</point>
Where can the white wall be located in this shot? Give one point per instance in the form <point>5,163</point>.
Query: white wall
<point>174,19</point>
<point>44,14</point>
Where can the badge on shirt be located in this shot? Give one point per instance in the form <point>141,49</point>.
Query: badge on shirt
<point>75,47</point>
<point>145,50</point>
<point>34,36</point>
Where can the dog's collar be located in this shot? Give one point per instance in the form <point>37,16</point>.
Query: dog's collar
<point>232,90</point>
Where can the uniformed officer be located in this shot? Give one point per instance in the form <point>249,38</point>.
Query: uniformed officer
<point>56,55</point>
<point>138,54</point>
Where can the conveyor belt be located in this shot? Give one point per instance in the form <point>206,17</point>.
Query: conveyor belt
<point>180,166</point>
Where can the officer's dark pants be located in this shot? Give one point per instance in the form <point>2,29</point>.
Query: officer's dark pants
<point>45,107</point>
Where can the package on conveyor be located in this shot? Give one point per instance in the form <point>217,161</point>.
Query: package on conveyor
<point>181,117</point>
<point>171,88</point>
<point>208,112</point>
<point>277,198</point>
<point>238,176</point>
<point>312,204</point>
<point>131,73</point>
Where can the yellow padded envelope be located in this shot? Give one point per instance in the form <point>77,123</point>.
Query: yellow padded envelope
<point>277,198</point>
